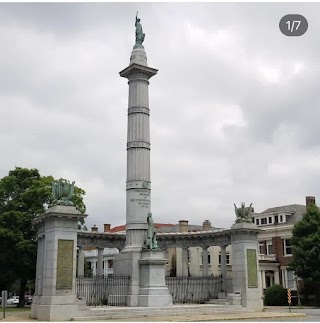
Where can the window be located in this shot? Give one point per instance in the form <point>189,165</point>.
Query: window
<point>264,221</point>
<point>227,258</point>
<point>110,263</point>
<point>209,259</point>
<point>261,248</point>
<point>276,219</point>
<point>270,219</point>
<point>252,220</point>
<point>257,221</point>
<point>281,218</point>
<point>290,277</point>
<point>269,249</point>
<point>287,247</point>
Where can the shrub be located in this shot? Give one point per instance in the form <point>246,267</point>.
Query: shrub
<point>276,295</point>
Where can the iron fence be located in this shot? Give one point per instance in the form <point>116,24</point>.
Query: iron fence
<point>107,290</point>
<point>194,289</point>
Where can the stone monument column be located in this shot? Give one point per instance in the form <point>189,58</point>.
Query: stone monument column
<point>245,263</point>
<point>141,259</point>
<point>55,293</point>
<point>138,184</point>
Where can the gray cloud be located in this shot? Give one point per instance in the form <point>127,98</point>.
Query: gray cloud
<point>234,106</point>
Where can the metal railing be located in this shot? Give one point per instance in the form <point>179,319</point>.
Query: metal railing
<point>194,290</point>
<point>109,290</point>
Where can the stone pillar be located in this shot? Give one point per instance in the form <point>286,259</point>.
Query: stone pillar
<point>245,266</point>
<point>138,183</point>
<point>224,267</point>
<point>94,267</point>
<point>100,262</point>
<point>263,279</point>
<point>55,295</point>
<point>185,265</point>
<point>81,262</point>
<point>106,267</point>
<point>276,277</point>
<point>205,269</point>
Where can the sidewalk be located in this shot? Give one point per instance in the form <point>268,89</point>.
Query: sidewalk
<point>24,317</point>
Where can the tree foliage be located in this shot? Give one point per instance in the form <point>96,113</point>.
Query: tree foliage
<point>24,193</point>
<point>306,245</point>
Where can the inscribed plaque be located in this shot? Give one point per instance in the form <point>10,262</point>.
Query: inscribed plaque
<point>252,268</point>
<point>65,264</point>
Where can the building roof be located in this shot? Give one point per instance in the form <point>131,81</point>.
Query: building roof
<point>297,211</point>
<point>297,208</point>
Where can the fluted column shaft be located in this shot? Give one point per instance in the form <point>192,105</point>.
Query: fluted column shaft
<point>185,265</point>
<point>138,187</point>
<point>80,269</point>
<point>205,269</point>
<point>224,266</point>
<point>100,262</point>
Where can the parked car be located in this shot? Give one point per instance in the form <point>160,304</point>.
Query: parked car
<point>14,300</point>
<point>28,299</point>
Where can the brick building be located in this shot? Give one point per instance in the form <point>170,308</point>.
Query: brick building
<point>276,226</point>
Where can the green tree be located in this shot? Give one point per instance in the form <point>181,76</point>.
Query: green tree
<point>24,193</point>
<point>306,245</point>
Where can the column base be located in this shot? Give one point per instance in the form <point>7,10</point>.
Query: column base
<point>127,263</point>
<point>58,312</point>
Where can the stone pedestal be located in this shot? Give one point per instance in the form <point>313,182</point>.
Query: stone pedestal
<point>246,281</point>
<point>153,290</point>
<point>127,263</point>
<point>55,291</point>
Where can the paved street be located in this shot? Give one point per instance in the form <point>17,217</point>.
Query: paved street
<point>312,315</point>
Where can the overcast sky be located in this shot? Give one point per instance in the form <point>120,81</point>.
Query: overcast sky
<point>234,107</point>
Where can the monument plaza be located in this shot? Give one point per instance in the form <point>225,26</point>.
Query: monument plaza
<point>141,262</point>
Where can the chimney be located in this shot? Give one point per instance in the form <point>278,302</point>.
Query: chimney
<point>94,228</point>
<point>206,225</point>
<point>106,227</point>
<point>310,200</point>
<point>183,226</point>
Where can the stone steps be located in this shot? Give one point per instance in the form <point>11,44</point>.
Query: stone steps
<point>218,301</point>
<point>134,312</point>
